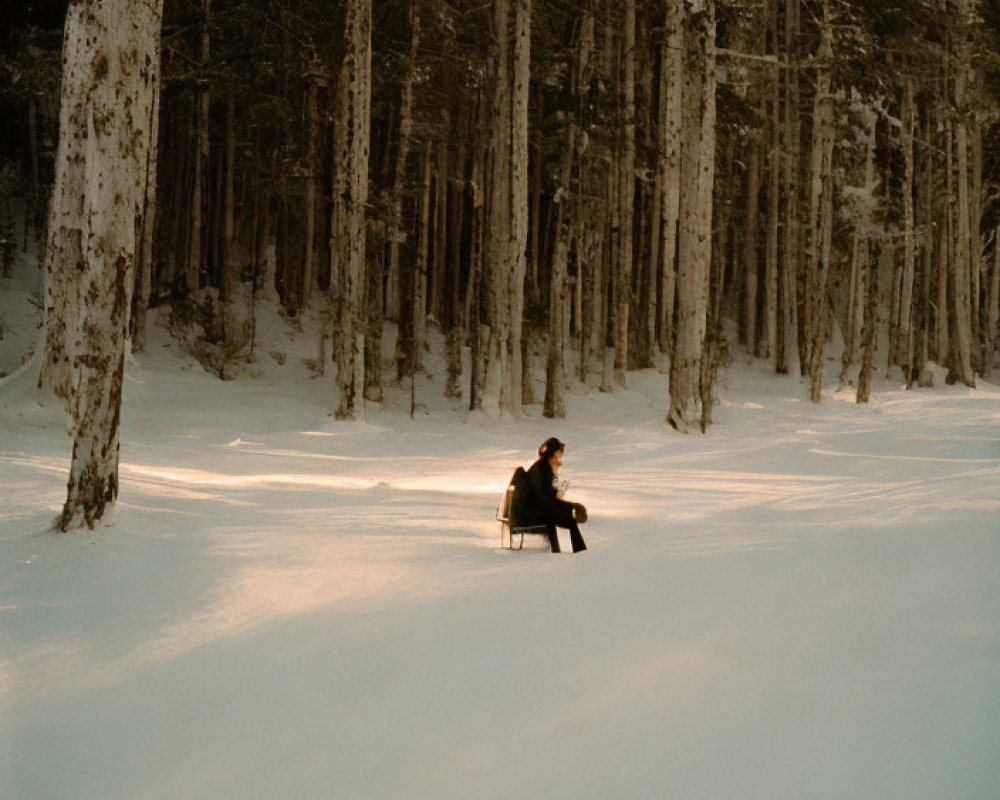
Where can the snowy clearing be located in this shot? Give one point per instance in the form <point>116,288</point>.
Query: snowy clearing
<point>803,603</point>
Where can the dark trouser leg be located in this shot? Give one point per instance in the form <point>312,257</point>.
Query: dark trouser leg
<point>577,538</point>
<point>550,528</point>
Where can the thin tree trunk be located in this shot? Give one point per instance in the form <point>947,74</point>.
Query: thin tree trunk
<point>396,235</point>
<point>868,335</point>
<point>230,277</point>
<point>355,106</point>
<point>199,201</point>
<point>905,341</point>
<point>993,310</point>
<point>750,265</point>
<point>144,271</point>
<point>439,265</point>
<point>772,299</point>
<point>792,281</point>
<point>555,377</point>
<point>312,150</point>
<point>420,267</point>
<point>625,196</point>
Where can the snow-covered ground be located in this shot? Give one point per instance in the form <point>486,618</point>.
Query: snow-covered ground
<point>803,603</point>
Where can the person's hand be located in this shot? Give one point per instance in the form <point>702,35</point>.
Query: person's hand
<point>579,512</point>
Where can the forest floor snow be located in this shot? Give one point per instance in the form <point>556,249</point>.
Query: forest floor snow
<point>803,603</point>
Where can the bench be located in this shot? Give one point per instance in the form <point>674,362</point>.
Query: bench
<point>508,531</point>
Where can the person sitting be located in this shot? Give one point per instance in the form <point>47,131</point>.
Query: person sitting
<point>544,504</point>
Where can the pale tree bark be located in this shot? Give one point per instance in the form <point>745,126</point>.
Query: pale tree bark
<point>695,226</point>
<point>555,374</point>
<point>669,162</point>
<point>505,248</point>
<point>960,368</point>
<point>105,133</point>
<point>396,235</point>
<point>352,197</point>
<point>496,245</point>
<point>904,349</point>
<point>820,210</point>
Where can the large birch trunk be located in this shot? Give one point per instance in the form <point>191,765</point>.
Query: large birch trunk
<point>99,192</point>
<point>695,227</point>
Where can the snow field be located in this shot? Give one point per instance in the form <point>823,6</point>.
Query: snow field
<point>803,603</point>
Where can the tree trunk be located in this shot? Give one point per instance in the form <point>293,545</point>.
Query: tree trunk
<point>792,279</point>
<point>960,368</point>
<point>312,149</point>
<point>420,267</point>
<point>144,270</point>
<point>439,263</point>
<point>555,377</point>
<point>507,218</point>
<point>695,228</point>
<point>820,211</point>
<point>473,296</point>
<point>230,269</point>
<point>993,310</point>
<point>626,198</point>
<point>750,264</point>
<point>904,350</point>
<point>352,196</point>
<point>868,334</point>
<point>199,200</point>
<point>771,299</point>
<point>396,235</point>
<point>669,148</point>
<point>100,189</point>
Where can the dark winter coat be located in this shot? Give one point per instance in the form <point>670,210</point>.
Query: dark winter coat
<point>543,506</point>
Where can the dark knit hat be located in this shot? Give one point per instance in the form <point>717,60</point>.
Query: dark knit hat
<point>550,446</point>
